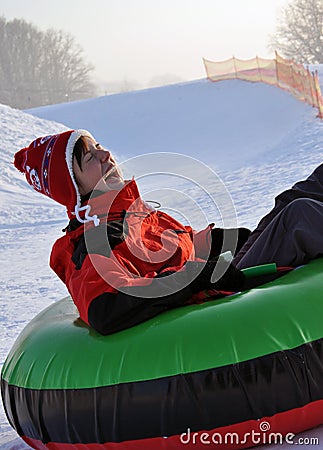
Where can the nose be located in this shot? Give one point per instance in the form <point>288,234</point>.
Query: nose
<point>103,155</point>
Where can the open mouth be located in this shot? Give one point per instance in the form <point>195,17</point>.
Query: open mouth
<point>109,170</point>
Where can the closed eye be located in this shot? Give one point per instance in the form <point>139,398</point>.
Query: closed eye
<point>88,156</point>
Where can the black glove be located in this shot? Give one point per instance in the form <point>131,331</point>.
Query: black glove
<point>175,288</point>
<point>228,239</point>
<point>215,274</point>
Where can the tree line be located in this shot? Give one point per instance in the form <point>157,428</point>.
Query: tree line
<point>40,67</point>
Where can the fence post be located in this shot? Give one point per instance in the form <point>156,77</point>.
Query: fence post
<point>276,64</point>
<point>258,67</point>
<point>318,94</point>
<point>235,67</point>
<point>312,91</point>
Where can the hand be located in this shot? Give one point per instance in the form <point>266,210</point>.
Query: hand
<point>214,274</point>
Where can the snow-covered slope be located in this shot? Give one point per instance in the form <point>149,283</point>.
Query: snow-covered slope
<point>257,138</point>
<point>26,282</point>
<point>197,118</point>
<point>17,130</point>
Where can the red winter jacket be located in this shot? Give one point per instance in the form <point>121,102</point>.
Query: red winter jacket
<point>116,272</point>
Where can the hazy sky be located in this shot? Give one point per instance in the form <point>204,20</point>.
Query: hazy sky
<point>143,39</point>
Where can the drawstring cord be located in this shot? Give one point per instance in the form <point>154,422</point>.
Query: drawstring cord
<point>87,217</point>
<point>154,202</point>
<point>74,224</point>
<point>96,220</point>
<point>145,213</point>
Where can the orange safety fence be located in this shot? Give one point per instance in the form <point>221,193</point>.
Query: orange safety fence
<point>286,74</point>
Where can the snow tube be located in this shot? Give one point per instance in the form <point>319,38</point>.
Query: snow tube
<point>228,373</point>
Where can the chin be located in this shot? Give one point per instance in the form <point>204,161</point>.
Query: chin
<point>114,181</point>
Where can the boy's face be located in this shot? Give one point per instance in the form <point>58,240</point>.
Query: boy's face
<point>98,170</point>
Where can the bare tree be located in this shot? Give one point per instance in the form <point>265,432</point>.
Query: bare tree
<point>299,32</point>
<point>40,68</point>
<point>67,73</point>
<point>15,54</point>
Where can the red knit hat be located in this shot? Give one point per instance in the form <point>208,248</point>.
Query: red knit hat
<point>48,166</point>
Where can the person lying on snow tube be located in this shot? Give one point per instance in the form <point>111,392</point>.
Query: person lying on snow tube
<point>123,262</point>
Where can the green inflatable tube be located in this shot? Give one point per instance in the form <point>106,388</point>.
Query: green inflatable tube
<point>277,316</point>
<point>226,365</point>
